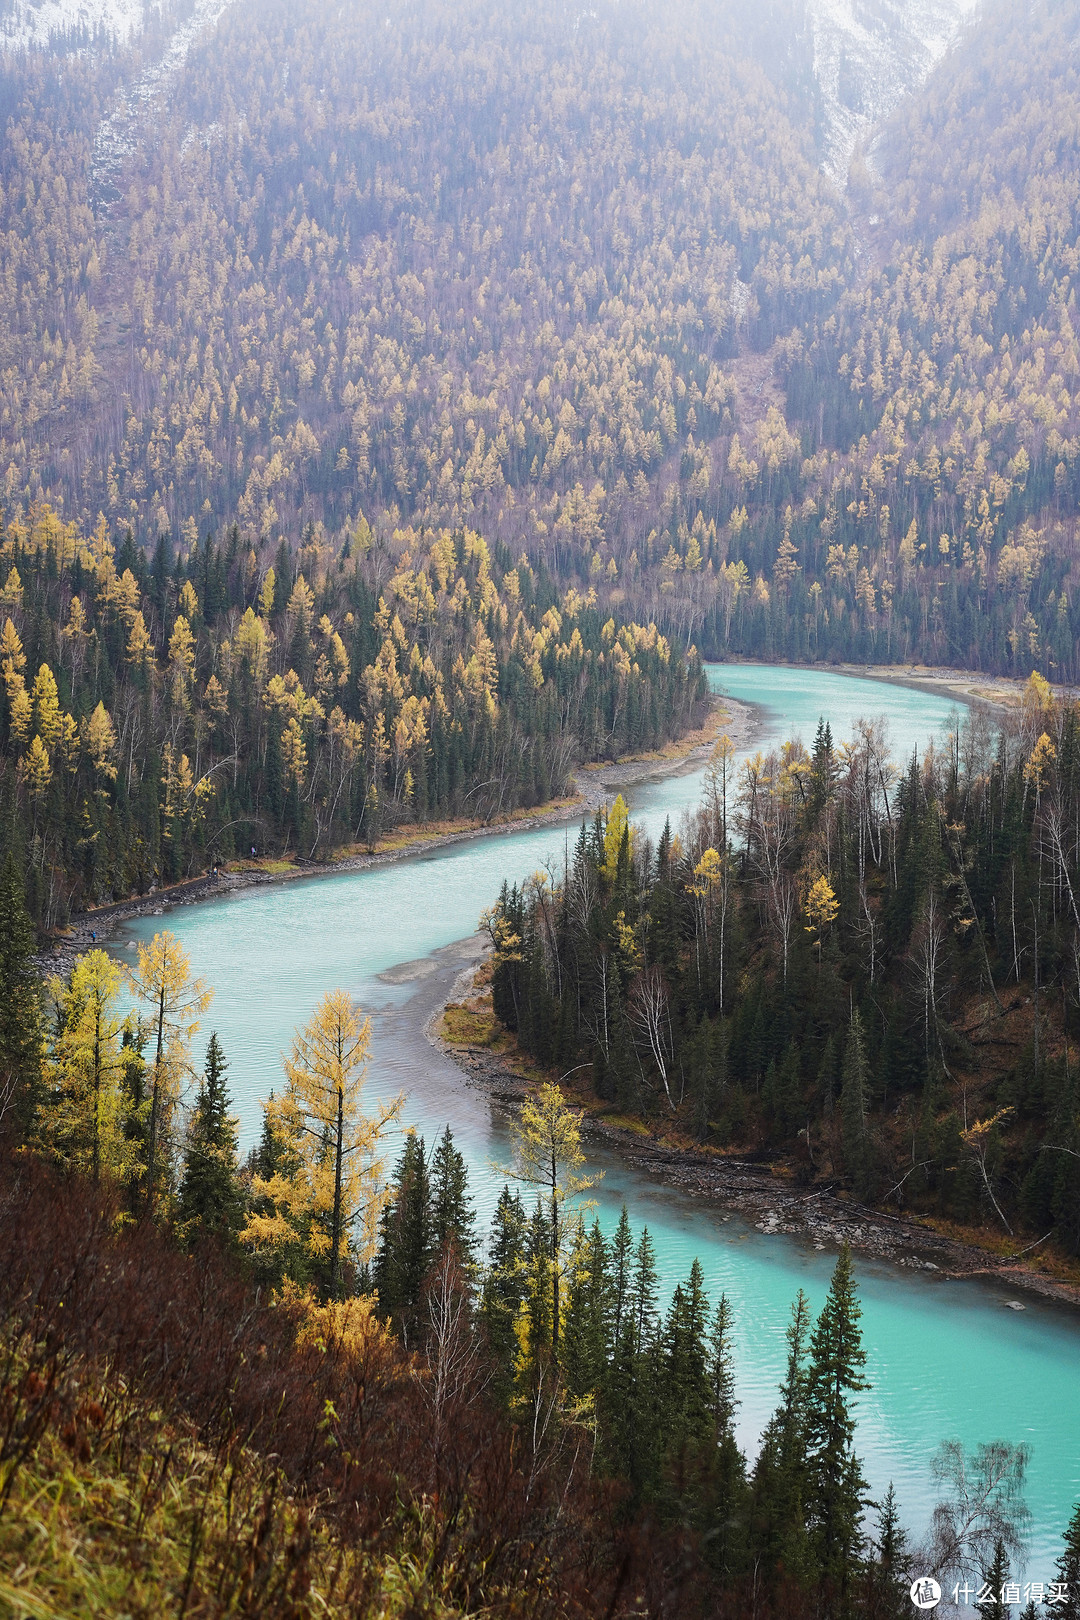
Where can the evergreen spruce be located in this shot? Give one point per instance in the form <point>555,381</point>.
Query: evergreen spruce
<point>585,1343</point>
<point>836,1486</point>
<point>504,1285</point>
<point>854,1086</point>
<point>1068,1570</point>
<point>406,1249</point>
<point>21,1021</point>
<point>452,1218</point>
<point>887,1588</point>
<point>994,1606</point>
<point>781,1485</point>
<point>210,1199</point>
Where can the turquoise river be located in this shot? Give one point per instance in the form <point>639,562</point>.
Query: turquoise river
<point>946,1358</point>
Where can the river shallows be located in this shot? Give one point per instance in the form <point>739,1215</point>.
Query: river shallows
<point>945,1358</point>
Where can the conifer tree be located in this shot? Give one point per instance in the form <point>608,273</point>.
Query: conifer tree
<point>686,1383</point>
<point>452,1216</point>
<point>587,1327</point>
<point>327,1194</point>
<point>1068,1570</point>
<point>854,1087</point>
<point>995,1577</point>
<point>836,1485</point>
<point>504,1284</point>
<point>635,1382</point>
<point>724,1487</point>
<point>85,1120</point>
<point>886,1592</point>
<point>406,1239</point>
<point>533,1327</point>
<point>21,1022</point>
<point>546,1140</point>
<point>622,1250</point>
<point>162,979</point>
<point>210,1199</point>
<point>780,1485</point>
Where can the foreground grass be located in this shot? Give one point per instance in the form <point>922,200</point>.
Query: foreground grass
<point>110,1508</point>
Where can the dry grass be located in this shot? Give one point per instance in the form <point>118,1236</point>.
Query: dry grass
<point>472,1023</point>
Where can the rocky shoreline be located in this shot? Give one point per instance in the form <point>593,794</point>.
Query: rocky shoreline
<point>769,1202</point>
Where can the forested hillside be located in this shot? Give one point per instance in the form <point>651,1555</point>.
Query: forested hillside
<point>162,714</point>
<point>574,280</point>
<point>869,976</point>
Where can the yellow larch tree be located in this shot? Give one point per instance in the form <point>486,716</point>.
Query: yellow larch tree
<point>821,909</point>
<point>85,1122</point>
<point>546,1151</point>
<point>175,1002</point>
<point>327,1196</point>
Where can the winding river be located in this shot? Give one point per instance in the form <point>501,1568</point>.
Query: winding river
<point>946,1358</point>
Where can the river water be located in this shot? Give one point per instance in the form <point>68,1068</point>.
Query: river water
<point>946,1358</point>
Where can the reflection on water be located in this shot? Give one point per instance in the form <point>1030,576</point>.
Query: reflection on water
<point>945,1358</point>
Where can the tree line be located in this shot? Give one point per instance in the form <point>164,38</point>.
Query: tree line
<point>867,969</point>
<point>160,715</point>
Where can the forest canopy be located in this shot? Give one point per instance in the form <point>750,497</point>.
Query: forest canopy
<point>573,280</point>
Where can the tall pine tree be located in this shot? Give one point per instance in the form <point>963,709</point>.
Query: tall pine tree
<point>21,1023</point>
<point>210,1199</point>
<point>837,1488</point>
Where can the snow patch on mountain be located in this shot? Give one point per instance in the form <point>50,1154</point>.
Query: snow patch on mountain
<point>868,54</point>
<point>30,24</point>
<point>118,134</point>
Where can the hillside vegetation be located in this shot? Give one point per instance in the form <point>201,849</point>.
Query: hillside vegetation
<point>574,280</point>
<point>866,975</point>
<point>160,716</point>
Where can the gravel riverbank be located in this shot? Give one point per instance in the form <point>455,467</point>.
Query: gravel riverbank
<point>772,1203</point>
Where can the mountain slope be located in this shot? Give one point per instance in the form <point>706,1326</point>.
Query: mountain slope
<point>870,54</point>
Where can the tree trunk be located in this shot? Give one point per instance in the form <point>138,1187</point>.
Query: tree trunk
<point>335,1225</point>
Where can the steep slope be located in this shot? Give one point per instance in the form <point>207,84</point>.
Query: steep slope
<point>38,24</point>
<point>870,54</point>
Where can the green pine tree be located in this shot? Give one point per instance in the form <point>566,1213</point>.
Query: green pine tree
<point>854,1089</point>
<point>633,1417</point>
<point>586,1338</point>
<point>452,1217</point>
<point>210,1198</point>
<point>1068,1570</point>
<point>886,1593</point>
<point>503,1287</point>
<point>21,1023</point>
<point>995,1607</point>
<point>780,1483</point>
<point>686,1390</point>
<point>836,1485</point>
<point>405,1250</point>
<point>724,1493</point>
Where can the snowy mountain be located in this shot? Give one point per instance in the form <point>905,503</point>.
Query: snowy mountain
<point>29,23</point>
<point>870,53</point>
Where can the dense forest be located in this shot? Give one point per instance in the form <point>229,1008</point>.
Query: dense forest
<point>578,284</point>
<point>161,714</point>
<point>869,972</point>
<point>298,1387</point>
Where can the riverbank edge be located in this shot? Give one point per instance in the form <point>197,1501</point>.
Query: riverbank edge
<point>594,786</point>
<point>1002,692</point>
<point>772,1202</point>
